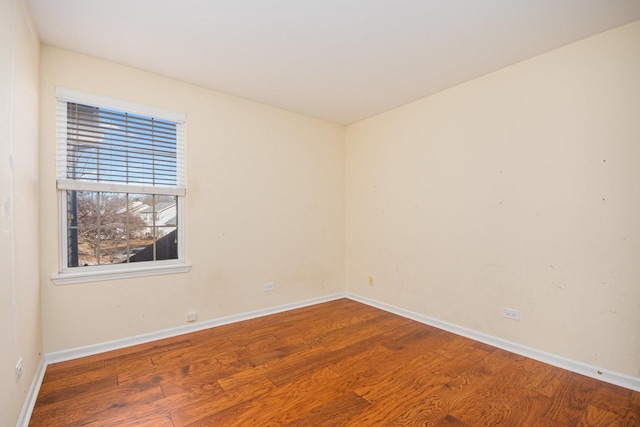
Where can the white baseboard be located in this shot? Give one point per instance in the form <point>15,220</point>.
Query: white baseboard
<point>32,394</point>
<point>601,374</point>
<point>89,350</point>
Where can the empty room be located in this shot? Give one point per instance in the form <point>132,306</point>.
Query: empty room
<point>319,213</point>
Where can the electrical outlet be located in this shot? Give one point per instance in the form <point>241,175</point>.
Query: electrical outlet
<point>370,280</point>
<point>18,369</point>
<point>267,287</point>
<point>192,316</point>
<point>511,313</point>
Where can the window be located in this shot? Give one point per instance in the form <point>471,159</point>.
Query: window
<point>120,175</point>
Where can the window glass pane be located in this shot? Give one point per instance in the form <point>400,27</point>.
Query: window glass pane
<point>167,246</point>
<point>115,253</point>
<point>167,230</point>
<point>112,245</point>
<point>141,245</point>
<point>114,228</point>
<point>114,214</point>
<point>84,206</point>
<point>86,209</point>
<point>102,221</point>
<point>166,214</point>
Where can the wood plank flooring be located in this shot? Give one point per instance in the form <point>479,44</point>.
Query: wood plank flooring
<point>339,363</point>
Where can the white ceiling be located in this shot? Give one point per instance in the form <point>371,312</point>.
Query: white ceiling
<point>338,60</point>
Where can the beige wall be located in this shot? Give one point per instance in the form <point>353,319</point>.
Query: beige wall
<point>519,189</point>
<point>20,322</point>
<point>265,203</point>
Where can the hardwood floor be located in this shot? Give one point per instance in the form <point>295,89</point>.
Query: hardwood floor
<point>339,363</point>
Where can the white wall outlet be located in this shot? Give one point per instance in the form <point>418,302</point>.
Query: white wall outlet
<point>267,287</point>
<point>511,313</point>
<point>18,369</point>
<point>192,316</point>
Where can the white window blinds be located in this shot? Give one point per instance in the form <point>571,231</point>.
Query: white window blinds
<point>103,146</point>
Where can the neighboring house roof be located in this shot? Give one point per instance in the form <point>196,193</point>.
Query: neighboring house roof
<point>134,207</point>
<point>171,221</point>
<point>161,206</point>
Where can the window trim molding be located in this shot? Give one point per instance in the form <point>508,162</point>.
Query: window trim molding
<point>105,272</point>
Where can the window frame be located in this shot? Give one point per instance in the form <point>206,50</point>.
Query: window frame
<point>71,275</point>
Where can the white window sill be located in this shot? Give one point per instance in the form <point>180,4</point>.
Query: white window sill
<point>96,274</point>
